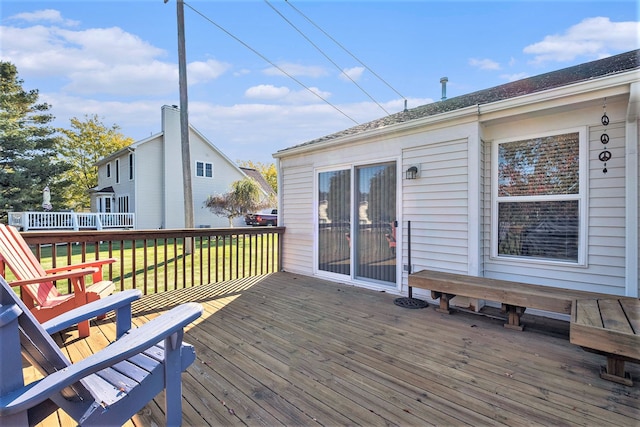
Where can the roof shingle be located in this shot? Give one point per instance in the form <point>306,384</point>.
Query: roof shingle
<point>590,70</point>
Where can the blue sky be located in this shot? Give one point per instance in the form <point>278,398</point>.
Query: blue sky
<point>118,59</point>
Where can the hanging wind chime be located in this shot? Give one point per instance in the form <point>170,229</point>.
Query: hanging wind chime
<point>605,155</point>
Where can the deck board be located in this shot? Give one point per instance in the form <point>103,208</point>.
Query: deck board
<point>287,349</point>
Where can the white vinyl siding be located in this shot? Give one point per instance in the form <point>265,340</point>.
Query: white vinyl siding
<point>437,206</point>
<point>297,216</point>
<point>607,210</point>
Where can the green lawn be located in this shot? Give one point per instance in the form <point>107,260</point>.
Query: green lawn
<point>156,266</point>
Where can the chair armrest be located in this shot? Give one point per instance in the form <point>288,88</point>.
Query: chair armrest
<point>134,342</point>
<point>56,276</point>
<point>119,302</point>
<point>97,263</point>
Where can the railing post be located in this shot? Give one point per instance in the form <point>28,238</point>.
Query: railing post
<point>74,221</point>
<point>98,222</point>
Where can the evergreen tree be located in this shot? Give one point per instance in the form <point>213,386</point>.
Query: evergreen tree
<point>28,159</point>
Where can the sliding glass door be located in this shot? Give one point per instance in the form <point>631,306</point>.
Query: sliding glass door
<point>364,248</point>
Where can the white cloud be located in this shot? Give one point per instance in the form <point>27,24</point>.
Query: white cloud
<point>514,77</point>
<point>304,96</point>
<point>285,95</point>
<point>199,71</point>
<point>92,61</point>
<point>269,92</point>
<point>484,64</point>
<point>592,38</point>
<point>296,70</point>
<point>45,15</point>
<point>352,74</point>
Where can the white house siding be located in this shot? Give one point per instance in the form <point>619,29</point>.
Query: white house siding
<point>604,270</point>
<point>148,200</point>
<point>173,187</point>
<point>224,174</point>
<point>125,186</point>
<point>606,250</point>
<point>437,206</point>
<point>296,213</point>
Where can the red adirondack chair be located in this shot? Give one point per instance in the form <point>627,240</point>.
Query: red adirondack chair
<point>38,290</point>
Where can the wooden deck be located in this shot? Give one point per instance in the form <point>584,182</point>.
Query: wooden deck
<point>285,349</point>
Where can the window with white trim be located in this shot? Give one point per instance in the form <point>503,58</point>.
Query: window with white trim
<point>539,200</point>
<point>117,171</point>
<point>108,170</point>
<point>204,169</point>
<point>131,165</point>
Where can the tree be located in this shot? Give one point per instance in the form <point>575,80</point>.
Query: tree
<point>245,196</point>
<point>28,159</point>
<point>82,146</point>
<point>269,172</point>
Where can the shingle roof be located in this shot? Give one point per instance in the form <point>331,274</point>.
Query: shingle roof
<point>600,68</point>
<point>252,173</point>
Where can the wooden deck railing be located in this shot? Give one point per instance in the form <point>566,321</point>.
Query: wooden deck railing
<point>161,260</point>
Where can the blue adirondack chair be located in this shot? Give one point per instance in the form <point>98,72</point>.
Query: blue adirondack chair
<point>106,388</point>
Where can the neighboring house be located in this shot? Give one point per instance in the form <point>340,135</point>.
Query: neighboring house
<point>146,178</point>
<point>506,183</point>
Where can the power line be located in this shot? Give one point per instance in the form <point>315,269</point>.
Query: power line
<point>270,62</point>
<point>345,49</point>
<point>325,55</point>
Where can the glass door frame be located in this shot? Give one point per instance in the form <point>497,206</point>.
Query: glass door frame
<point>351,277</point>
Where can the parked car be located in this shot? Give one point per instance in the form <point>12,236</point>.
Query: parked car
<point>262,219</point>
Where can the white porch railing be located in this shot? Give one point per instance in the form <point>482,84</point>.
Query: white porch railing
<point>70,220</point>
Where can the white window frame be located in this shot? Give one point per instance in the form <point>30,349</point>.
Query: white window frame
<point>117,171</point>
<point>581,197</point>
<point>205,166</point>
<point>108,172</point>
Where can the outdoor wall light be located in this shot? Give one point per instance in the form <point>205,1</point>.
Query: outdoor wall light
<point>412,172</point>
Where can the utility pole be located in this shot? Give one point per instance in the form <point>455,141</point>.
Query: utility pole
<point>184,125</point>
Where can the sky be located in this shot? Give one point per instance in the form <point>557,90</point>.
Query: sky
<point>267,75</point>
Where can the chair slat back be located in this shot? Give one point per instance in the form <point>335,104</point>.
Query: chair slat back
<point>36,345</point>
<point>22,262</point>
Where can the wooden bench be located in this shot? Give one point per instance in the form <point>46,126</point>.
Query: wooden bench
<point>515,297</point>
<point>610,327</point>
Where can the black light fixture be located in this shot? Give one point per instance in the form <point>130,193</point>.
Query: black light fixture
<point>412,173</point>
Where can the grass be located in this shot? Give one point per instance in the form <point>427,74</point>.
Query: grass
<point>159,265</point>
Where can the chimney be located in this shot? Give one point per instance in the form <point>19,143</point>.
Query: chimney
<point>444,81</point>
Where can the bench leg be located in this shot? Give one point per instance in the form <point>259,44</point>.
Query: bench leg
<point>514,313</point>
<point>444,301</point>
<point>614,371</point>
